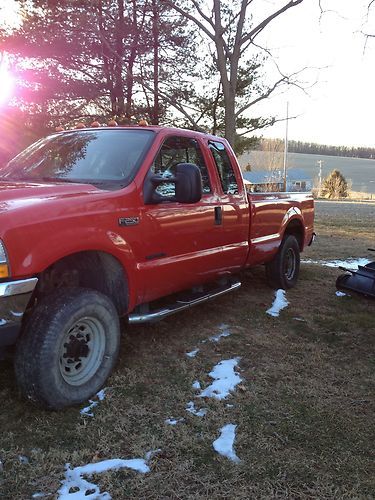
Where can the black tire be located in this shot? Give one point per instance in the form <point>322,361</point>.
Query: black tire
<point>283,270</point>
<point>68,348</point>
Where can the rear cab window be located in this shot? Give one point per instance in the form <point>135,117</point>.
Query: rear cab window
<point>224,168</point>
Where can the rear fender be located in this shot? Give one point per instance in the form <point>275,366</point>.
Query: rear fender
<point>293,223</point>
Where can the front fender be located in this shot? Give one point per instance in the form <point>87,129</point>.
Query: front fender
<point>33,254</point>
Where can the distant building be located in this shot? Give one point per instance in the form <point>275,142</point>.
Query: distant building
<point>262,181</point>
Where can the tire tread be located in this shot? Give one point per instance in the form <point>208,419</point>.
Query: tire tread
<point>39,339</point>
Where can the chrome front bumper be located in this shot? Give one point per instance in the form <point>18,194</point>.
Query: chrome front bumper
<point>14,298</point>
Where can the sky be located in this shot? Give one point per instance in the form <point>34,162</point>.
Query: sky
<point>340,108</point>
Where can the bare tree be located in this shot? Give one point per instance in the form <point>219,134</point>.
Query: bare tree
<point>269,156</point>
<point>232,33</point>
<point>364,31</point>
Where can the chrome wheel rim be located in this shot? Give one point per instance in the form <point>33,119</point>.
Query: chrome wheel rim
<point>290,264</point>
<point>82,350</point>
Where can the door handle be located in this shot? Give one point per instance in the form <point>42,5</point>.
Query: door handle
<point>218,216</point>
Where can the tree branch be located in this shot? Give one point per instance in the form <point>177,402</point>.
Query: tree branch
<point>202,14</point>
<point>191,18</point>
<point>258,29</point>
<point>200,25</point>
<point>261,97</point>
<point>175,104</point>
<point>268,122</point>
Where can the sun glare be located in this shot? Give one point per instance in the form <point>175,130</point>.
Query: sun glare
<point>6,82</point>
<point>9,14</point>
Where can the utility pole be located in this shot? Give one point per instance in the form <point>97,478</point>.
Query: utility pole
<point>320,163</point>
<point>286,144</point>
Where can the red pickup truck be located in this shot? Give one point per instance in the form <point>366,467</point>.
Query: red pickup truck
<point>97,224</point>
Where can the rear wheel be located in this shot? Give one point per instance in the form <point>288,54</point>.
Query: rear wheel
<point>283,270</point>
<point>68,348</point>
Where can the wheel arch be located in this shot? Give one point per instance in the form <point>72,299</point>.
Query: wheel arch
<point>295,228</point>
<point>94,269</point>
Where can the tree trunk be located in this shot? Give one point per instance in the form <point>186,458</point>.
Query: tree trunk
<point>230,117</point>
<point>119,62</point>
<point>106,57</point>
<point>155,36</point>
<point>134,48</point>
<point>214,110</point>
<point>228,90</point>
<point>129,73</point>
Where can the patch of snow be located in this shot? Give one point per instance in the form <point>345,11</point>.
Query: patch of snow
<point>23,459</point>
<point>192,354</point>
<point>223,326</point>
<point>279,303</point>
<point>216,338</point>
<point>348,263</point>
<point>299,319</point>
<point>225,380</point>
<point>224,443</point>
<point>173,421</point>
<point>198,413</point>
<point>38,494</point>
<point>83,489</point>
<point>229,406</point>
<point>87,411</point>
<point>340,294</point>
<point>311,261</point>
<point>152,453</point>
<point>101,394</point>
<point>224,333</point>
<point>196,385</point>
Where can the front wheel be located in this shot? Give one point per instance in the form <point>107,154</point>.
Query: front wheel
<point>68,348</point>
<point>283,270</point>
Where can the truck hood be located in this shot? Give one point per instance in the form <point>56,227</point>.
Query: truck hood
<point>20,194</point>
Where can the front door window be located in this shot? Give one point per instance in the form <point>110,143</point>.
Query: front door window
<point>177,150</point>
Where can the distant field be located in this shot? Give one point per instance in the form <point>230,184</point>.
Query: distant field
<point>360,171</point>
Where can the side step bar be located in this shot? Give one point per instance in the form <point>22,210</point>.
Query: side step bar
<point>182,304</point>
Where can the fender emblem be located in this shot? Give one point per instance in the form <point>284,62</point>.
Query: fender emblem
<point>128,221</point>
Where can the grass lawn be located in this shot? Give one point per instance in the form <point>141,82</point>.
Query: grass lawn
<point>304,410</point>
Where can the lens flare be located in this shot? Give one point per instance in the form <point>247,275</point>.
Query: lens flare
<point>6,82</point>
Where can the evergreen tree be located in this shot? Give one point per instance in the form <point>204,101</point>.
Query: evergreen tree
<point>335,185</point>
<point>99,59</point>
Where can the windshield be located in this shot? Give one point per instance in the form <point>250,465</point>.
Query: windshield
<point>97,157</point>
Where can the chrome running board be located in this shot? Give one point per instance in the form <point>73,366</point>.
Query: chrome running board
<point>181,304</point>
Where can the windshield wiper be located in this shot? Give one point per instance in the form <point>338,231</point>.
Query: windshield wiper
<point>53,179</point>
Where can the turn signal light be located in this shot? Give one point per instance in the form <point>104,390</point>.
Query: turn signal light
<point>4,271</point>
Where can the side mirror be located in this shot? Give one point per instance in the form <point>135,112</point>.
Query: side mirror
<point>187,185</point>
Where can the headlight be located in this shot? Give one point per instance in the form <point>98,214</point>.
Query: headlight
<point>4,267</point>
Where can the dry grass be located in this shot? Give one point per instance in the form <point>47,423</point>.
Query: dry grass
<point>305,412</point>
<point>360,195</point>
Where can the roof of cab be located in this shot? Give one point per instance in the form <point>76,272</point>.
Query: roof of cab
<point>155,128</point>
